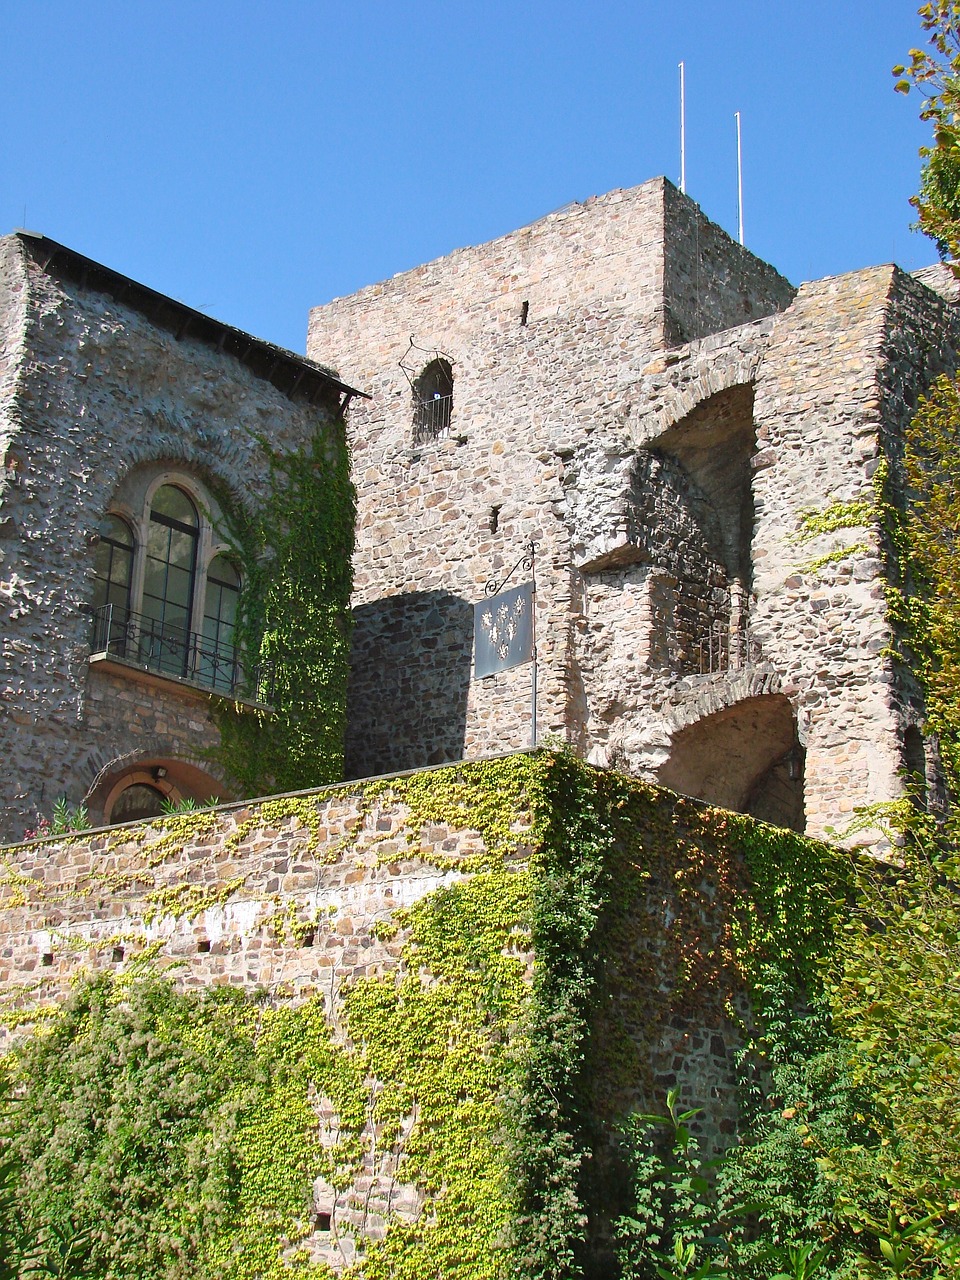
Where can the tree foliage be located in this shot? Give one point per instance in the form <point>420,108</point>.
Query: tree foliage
<point>927,535</point>
<point>935,73</point>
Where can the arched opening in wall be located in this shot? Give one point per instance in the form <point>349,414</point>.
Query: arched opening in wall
<point>706,460</point>
<point>433,402</point>
<point>138,800</point>
<point>915,765</point>
<point>746,757</point>
<point>149,788</point>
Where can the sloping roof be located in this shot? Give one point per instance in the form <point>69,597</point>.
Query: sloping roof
<point>287,371</point>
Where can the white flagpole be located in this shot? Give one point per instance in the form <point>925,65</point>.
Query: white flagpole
<point>739,179</point>
<point>683,132</point>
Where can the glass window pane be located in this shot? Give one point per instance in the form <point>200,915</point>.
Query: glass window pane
<point>179,586</point>
<point>154,578</point>
<point>174,503</point>
<point>102,561</point>
<point>169,576</point>
<point>158,540</point>
<point>222,571</point>
<point>218,655</point>
<point>182,547</point>
<point>116,530</point>
<point>113,562</point>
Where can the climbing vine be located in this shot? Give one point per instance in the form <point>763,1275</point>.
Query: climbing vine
<point>924,529</point>
<point>593,944</point>
<point>830,519</point>
<point>294,618</point>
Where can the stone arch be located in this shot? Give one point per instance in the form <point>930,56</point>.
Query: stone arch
<point>713,444</point>
<point>157,762</point>
<point>711,374</point>
<point>690,513</point>
<point>744,753</point>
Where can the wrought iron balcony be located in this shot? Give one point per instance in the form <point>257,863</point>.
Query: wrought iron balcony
<point>183,655</point>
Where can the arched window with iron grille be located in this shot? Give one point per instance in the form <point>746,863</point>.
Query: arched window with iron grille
<point>433,402</point>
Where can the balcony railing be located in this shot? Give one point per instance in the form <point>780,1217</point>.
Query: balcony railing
<point>431,420</point>
<point>184,655</point>
<point>718,654</point>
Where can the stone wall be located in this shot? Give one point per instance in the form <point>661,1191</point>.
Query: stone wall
<point>284,895</point>
<point>93,397</point>
<point>532,384</point>
<point>304,895</point>
<point>659,418</point>
<point>824,400</point>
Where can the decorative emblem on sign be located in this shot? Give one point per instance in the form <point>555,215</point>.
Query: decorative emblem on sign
<point>503,637</point>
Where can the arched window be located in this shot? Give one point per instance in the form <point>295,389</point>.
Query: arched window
<point>220,624</point>
<point>433,402</point>
<point>169,578</point>
<point>165,594</point>
<point>113,568</point>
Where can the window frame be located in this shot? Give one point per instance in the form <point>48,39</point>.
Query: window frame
<point>133,505</point>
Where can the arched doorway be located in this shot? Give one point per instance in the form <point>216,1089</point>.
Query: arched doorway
<point>138,791</point>
<point>745,757</point>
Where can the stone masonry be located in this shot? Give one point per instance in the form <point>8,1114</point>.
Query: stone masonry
<point>642,398</point>
<point>303,895</point>
<point>657,409</point>
<point>107,389</point>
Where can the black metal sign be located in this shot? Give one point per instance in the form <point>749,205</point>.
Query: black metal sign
<point>503,631</point>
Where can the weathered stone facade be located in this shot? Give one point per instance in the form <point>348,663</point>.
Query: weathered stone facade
<point>656,409</point>
<point>106,392</point>
<point>309,894</point>
<point>648,402</point>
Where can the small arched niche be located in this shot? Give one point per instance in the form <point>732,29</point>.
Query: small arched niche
<point>433,402</point>
<point>746,757</point>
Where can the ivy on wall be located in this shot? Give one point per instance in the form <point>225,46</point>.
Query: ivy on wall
<point>295,617</point>
<point>486,1092</point>
<point>835,516</point>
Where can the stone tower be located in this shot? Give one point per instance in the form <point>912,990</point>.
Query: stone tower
<point>657,409</point>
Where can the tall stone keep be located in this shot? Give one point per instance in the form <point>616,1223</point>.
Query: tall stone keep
<point>658,410</point>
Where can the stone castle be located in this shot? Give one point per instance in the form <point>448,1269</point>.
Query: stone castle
<point>619,383</point>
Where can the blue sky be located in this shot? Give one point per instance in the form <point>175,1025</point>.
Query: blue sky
<point>256,158</point>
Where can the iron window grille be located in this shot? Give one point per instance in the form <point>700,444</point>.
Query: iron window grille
<point>431,419</point>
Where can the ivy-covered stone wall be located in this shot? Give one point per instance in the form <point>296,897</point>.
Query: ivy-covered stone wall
<point>467,977</point>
